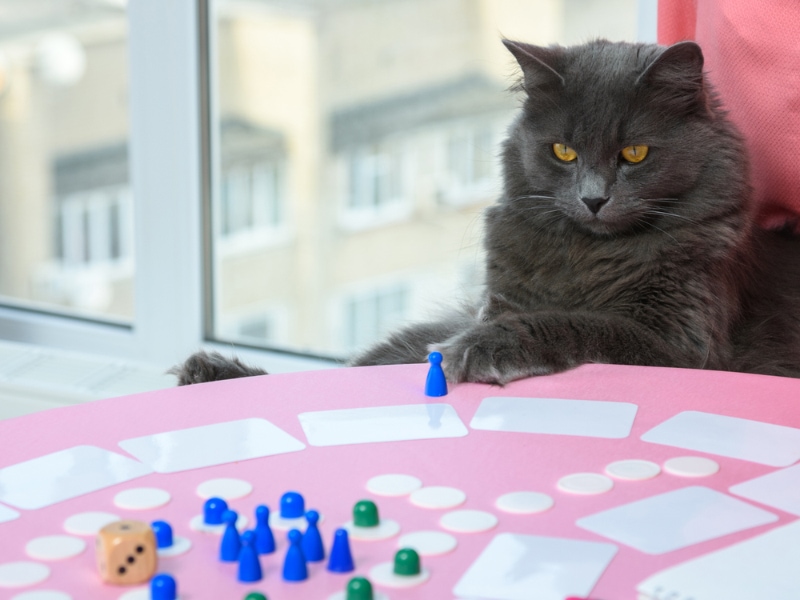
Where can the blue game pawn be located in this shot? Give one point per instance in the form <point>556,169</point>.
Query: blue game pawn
<point>313,549</point>
<point>163,533</point>
<point>341,560</point>
<point>294,565</point>
<point>231,543</point>
<point>265,541</point>
<point>436,384</point>
<point>212,511</point>
<point>163,587</point>
<point>249,565</point>
<point>292,506</point>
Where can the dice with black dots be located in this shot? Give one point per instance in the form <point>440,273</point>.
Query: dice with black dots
<point>126,552</point>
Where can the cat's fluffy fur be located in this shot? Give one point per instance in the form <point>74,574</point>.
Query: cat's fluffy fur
<point>671,270</point>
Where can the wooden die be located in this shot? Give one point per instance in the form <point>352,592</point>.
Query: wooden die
<point>126,552</point>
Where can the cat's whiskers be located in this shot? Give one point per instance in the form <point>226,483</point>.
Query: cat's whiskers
<point>641,219</point>
<point>533,196</point>
<point>664,213</point>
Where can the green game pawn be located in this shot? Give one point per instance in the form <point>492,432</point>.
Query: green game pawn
<point>406,562</point>
<point>255,596</point>
<point>359,588</point>
<point>365,514</point>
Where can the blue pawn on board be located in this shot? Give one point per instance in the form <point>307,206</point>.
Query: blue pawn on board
<point>292,506</point>
<point>249,564</point>
<point>341,560</point>
<point>212,511</point>
<point>163,533</point>
<point>265,541</point>
<point>313,549</point>
<point>436,384</point>
<point>294,565</point>
<point>163,587</point>
<point>231,543</point>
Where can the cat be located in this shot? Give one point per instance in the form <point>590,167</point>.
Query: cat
<point>625,233</point>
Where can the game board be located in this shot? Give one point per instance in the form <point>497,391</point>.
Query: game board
<point>483,441</point>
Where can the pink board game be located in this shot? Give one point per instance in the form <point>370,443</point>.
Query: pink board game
<point>606,482</point>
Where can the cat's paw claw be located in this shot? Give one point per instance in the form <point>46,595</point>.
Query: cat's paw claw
<point>489,353</point>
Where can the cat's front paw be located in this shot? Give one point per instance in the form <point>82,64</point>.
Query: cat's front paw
<point>493,352</point>
<point>202,367</point>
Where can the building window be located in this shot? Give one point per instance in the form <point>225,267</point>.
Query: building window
<point>251,198</point>
<point>372,314</point>
<point>94,228</point>
<point>470,163</point>
<point>377,191</point>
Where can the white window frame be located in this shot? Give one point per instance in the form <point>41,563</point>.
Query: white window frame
<point>168,45</point>
<point>168,50</point>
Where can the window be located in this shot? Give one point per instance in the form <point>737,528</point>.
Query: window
<point>370,315</point>
<point>470,170</point>
<point>376,191</point>
<point>66,215</point>
<point>297,177</point>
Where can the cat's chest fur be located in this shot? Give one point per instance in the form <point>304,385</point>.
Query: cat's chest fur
<point>663,281</point>
<point>564,269</point>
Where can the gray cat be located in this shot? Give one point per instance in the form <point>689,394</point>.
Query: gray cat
<point>625,233</point>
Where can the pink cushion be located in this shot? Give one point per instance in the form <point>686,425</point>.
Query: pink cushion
<point>752,52</point>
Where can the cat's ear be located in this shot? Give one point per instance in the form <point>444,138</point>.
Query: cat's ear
<point>676,76</point>
<point>538,66</point>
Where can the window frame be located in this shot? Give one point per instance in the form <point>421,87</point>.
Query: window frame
<point>172,157</point>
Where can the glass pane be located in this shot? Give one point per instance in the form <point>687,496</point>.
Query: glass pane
<point>358,145</point>
<point>66,207</point>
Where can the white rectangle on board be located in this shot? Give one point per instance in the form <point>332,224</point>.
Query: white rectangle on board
<point>381,424</point>
<point>779,489</point>
<point>763,567</point>
<point>7,514</point>
<point>522,567</point>
<point>66,474</point>
<point>590,418</point>
<point>754,441</point>
<point>210,445</point>
<point>675,520</point>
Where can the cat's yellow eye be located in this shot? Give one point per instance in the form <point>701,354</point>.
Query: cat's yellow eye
<point>634,154</point>
<point>564,152</point>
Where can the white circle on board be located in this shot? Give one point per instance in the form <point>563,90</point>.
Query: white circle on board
<point>137,594</point>
<point>468,521</point>
<point>393,484</point>
<point>691,466</point>
<point>225,488</point>
<point>197,524</point>
<point>633,469</point>
<point>438,496</point>
<point>278,522</point>
<point>585,484</point>
<point>428,543</point>
<point>343,596</point>
<point>524,503</point>
<point>88,523</point>
<point>143,498</point>
<point>55,547</point>
<point>180,545</point>
<point>384,530</point>
<point>383,574</point>
<point>22,574</point>
<point>42,595</point>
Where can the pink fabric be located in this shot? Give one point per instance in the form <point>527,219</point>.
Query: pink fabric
<point>752,52</point>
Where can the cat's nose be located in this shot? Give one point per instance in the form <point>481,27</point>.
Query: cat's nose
<point>594,204</point>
